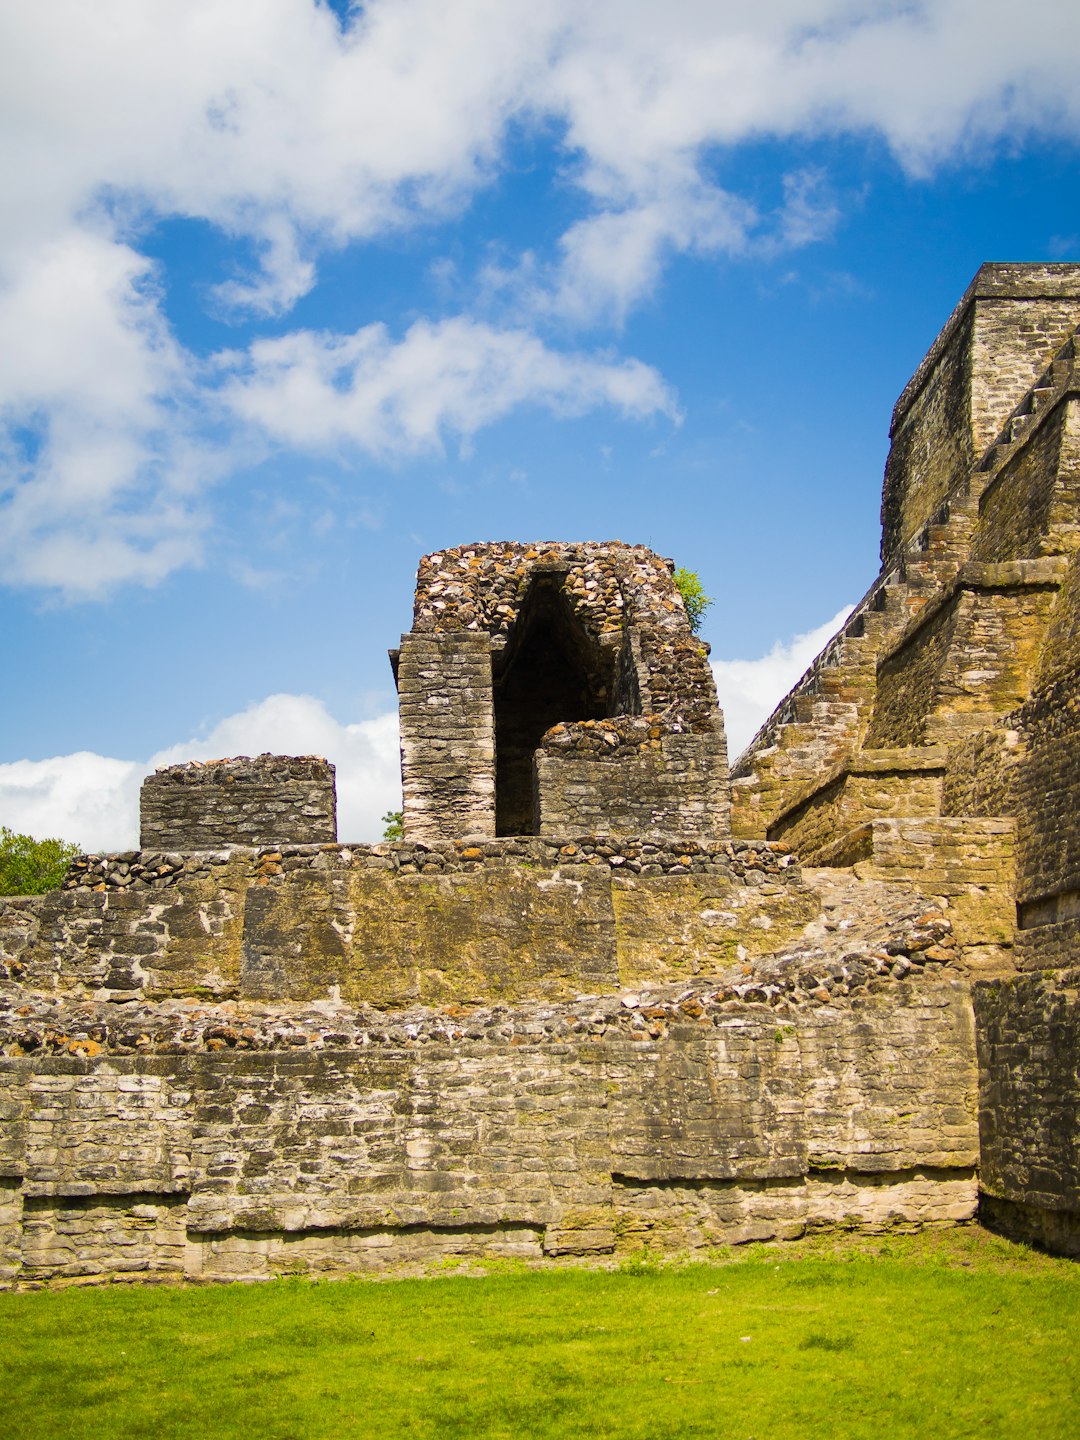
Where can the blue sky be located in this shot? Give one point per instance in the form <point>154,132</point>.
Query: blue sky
<point>290,296</point>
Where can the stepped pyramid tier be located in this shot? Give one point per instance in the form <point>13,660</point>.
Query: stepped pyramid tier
<point>554,689</point>
<point>978,527</point>
<point>936,739</point>
<point>584,1006</point>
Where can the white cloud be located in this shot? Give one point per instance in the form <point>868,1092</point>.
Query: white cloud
<point>270,121</point>
<point>84,798</point>
<point>318,390</point>
<point>750,690</point>
<point>94,801</point>
<point>99,462</point>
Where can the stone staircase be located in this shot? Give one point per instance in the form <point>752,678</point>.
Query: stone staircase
<point>1060,375</point>
<point>824,718</point>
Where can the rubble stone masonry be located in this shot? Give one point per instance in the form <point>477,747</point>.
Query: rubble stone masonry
<point>206,805</point>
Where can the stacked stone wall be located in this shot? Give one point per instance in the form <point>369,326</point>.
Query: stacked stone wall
<point>447,735</point>
<point>1030,508</point>
<point>1061,650</point>
<point>617,675</point>
<point>1029,1064</point>
<point>1028,766</point>
<point>399,924</point>
<point>284,799</point>
<point>966,863</point>
<point>726,1127</point>
<point>878,784</point>
<point>612,589</point>
<point>658,786</point>
<point>969,657</point>
<point>931,442</point>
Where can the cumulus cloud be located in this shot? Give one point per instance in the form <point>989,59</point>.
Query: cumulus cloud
<point>93,800</point>
<point>83,798</point>
<point>295,134</point>
<point>320,390</point>
<point>98,458</point>
<point>750,690</point>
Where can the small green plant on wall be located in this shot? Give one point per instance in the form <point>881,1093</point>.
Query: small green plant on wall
<point>694,599</point>
<point>393,825</point>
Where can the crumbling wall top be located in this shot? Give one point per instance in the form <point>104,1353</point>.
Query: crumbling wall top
<point>242,800</point>
<point>611,587</point>
<point>239,768</point>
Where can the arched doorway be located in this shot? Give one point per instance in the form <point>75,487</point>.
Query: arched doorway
<point>550,671</point>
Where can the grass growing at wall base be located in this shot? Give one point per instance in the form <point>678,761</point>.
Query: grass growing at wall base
<point>893,1339</point>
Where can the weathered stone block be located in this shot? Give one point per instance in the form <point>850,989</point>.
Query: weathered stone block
<point>271,799</point>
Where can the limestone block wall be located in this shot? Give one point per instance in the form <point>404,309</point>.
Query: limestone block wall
<point>678,783</point>
<point>1061,650</point>
<point>284,799</point>
<point>1030,508</point>
<point>1001,337</point>
<point>402,924</point>
<point>969,656</point>
<point>931,440</point>
<point>1029,1098</point>
<point>528,1132</point>
<point>875,784</point>
<point>447,735</point>
<point>1028,766</point>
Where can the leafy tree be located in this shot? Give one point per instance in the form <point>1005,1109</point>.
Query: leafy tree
<point>29,866</point>
<point>394,825</point>
<point>693,595</point>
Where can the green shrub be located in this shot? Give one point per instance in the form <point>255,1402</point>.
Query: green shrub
<point>694,599</point>
<point>393,825</point>
<point>31,867</point>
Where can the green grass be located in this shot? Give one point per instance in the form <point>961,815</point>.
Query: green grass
<point>924,1337</point>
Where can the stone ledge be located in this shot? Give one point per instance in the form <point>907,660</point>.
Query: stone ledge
<point>900,760</point>
<point>1045,573</point>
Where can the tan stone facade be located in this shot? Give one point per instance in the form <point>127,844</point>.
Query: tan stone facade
<point>936,737</point>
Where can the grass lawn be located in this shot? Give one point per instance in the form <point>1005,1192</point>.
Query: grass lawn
<point>929,1336</point>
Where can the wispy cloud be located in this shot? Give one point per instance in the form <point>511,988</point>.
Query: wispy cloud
<point>317,390</point>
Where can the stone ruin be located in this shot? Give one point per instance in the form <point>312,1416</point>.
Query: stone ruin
<point>207,805</point>
<point>556,689</point>
<point>602,998</point>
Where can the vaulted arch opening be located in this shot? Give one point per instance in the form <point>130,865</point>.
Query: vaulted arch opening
<point>550,671</point>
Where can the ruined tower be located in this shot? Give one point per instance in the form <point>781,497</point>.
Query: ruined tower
<point>556,689</point>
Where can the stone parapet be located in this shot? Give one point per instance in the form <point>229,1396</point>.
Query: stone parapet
<point>268,799</point>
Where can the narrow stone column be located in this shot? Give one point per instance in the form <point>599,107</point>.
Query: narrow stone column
<point>447,735</point>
